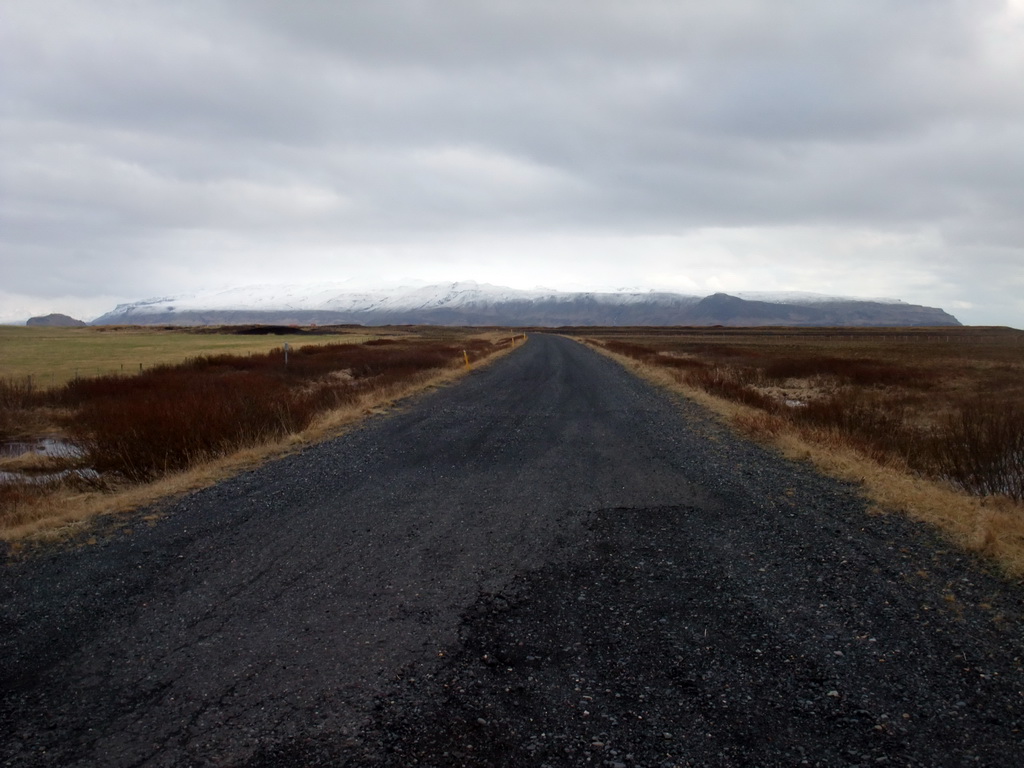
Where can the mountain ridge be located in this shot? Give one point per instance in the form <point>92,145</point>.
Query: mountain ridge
<point>470,303</point>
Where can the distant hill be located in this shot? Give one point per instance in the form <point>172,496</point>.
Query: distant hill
<point>723,309</point>
<point>468,303</point>
<point>54,320</point>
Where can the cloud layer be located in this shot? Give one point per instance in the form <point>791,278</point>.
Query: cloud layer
<point>867,147</point>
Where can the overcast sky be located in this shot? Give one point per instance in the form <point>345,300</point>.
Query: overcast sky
<point>849,147</point>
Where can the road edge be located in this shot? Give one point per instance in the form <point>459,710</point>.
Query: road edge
<point>971,524</point>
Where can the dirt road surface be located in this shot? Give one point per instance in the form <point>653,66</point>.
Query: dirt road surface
<point>549,563</point>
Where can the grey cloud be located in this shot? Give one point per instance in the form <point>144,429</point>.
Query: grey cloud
<point>128,131</point>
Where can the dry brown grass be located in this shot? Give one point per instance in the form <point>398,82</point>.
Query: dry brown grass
<point>30,463</point>
<point>892,410</point>
<point>48,511</point>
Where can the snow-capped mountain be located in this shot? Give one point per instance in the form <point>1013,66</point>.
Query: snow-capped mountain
<point>470,303</point>
<point>804,298</point>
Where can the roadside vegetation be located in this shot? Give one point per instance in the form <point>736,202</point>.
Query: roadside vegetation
<point>929,421</point>
<point>119,440</point>
<point>50,357</point>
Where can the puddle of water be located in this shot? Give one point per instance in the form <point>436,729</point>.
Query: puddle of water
<point>50,447</point>
<point>50,477</point>
<point>44,446</point>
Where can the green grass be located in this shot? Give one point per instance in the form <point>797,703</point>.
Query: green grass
<point>54,356</point>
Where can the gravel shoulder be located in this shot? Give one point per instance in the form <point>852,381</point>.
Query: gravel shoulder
<point>548,563</point>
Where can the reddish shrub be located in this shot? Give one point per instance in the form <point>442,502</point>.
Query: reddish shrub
<point>980,448</point>
<point>731,384</point>
<point>862,372</point>
<point>684,363</point>
<point>17,393</point>
<point>171,417</point>
<point>636,351</point>
<point>147,431</point>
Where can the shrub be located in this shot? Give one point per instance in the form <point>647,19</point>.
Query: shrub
<point>733,384</point>
<point>151,430</point>
<point>877,428</point>
<point>850,413</point>
<point>172,417</point>
<point>683,363</point>
<point>18,400</point>
<point>862,372</point>
<point>980,448</point>
<point>635,351</point>
<point>19,393</point>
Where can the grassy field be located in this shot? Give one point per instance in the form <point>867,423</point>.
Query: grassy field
<point>929,421</point>
<point>129,440</point>
<point>54,356</point>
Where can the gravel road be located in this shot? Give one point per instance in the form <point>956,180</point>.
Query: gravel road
<point>548,563</point>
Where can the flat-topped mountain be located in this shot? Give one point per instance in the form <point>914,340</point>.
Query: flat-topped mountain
<point>468,303</point>
<point>723,309</point>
